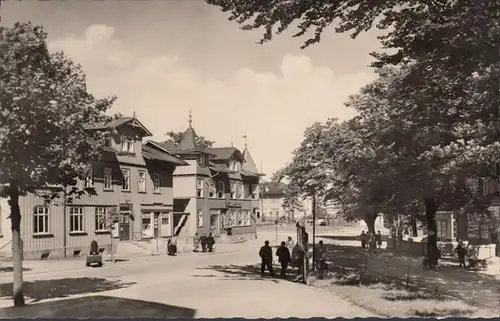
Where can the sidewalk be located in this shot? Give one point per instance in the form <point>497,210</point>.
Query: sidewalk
<point>473,287</point>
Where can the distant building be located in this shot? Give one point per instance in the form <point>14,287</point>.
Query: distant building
<point>218,192</point>
<point>135,179</point>
<point>273,195</point>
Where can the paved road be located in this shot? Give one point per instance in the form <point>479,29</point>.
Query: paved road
<point>231,289</point>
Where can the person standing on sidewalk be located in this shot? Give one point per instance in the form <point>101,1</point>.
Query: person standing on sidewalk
<point>283,254</point>
<point>378,238</point>
<point>210,242</point>
<point>461,253</point>
<point>203,241</point>
<point>196,242</point>
<point>290,244</point>
<point>363,238</point>
<point>266,255</point>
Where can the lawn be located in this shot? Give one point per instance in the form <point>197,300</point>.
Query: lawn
<point>394,299</point>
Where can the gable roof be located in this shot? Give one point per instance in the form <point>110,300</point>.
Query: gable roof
<point>152,153</point>
<point>225,153</point>
<point>249,164</point>
<point>132,121</point>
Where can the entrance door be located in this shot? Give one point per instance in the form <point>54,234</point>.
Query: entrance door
<point>124,227</point>
<point>156,225</point>
<point>166,224</point>
<point>214,224</point>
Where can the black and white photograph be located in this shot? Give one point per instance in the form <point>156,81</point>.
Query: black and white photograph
<point>249,159</point>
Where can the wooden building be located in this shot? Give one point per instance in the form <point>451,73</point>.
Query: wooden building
<point>135,179</point>
<point>216,193</point>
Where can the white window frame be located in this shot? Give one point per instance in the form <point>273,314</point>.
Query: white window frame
<point>212,191</point>
<point>141,181</point>
<point>199,218</point>
<point>200,187</point>
<point>126,179</point>
<point>43,212</point>
<point>100,213</point>
<point>108,179</point>
<point>156,183</point>
<point>232,219</point>
<point>76,219</point>
<point>89,180</point>
<point>232,186</point>
<point>220,189</point>
<point>128,145</point>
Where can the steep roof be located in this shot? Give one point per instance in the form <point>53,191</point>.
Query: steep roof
<point>132,121</point>
<point>225,153</point>
<point>249,164</point>
<point>150,152</point>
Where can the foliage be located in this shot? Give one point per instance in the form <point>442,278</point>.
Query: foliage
<point>176,137</point>
<point>46,116</point>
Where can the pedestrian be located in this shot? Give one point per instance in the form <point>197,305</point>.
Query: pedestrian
<point>290,244</point>
<point>298,258</point>
<point>378,238</point>
<point>196,242</point>
<point>320,257</point>
<point>461,253</point>
<point>203,241</point>
<point>283,254</point>
<point>266,255</point>
<point>363,238</point>
<point>210,242</point>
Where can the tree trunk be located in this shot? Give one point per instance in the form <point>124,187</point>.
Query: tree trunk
<point>370,222</point>
<point>112,254</point>
<point>17,250</point>
<point>414,226</point>
<point>430,217</point>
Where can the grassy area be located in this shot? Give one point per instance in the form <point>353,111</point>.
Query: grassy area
<point>393,299</point>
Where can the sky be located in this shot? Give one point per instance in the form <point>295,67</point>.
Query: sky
<point>163,58</point>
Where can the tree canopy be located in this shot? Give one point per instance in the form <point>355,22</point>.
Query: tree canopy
<point>176,137</point>
<point>46,121</point>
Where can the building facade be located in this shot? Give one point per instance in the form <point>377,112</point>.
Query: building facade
<point>273,195</point>
<point>216,193</point>
<point>135,180</point>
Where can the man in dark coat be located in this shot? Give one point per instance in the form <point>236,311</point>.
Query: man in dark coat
<point>266,255</point>
<point>203,241</point>
<point>283,254</point>
<point>298,258</point>
<point>210,242</point>
<point>461,253</point>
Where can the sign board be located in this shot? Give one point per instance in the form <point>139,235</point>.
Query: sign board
<point>234,205</point>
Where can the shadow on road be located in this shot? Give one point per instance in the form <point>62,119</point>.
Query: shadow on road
<point>243,272</point>
<point>98,307</point>
<point>7,269</point>
<point>62,288</point>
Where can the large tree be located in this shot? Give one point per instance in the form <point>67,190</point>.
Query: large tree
<point>45,115</point>
<point>176,137</point>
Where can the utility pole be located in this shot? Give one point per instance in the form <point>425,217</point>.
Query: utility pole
<point>261,195</point>
<point>314,230</point>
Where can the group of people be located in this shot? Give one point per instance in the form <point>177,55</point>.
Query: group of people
<point>288,253</point>
<point>371,240</point>
<point>207,243</point>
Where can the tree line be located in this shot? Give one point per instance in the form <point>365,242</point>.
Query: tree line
<point>426,130</point>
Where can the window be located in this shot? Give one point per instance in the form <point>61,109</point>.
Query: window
<point>108,178</point>
<point>147,229</point>
<point>100,218</point>
<point>76,219</point>
<point>202,160</point>
<point>199,188</point>
<point>128,145</point>
<point>239,190</point>
<point>246,191</point>
<point>442,229</point>
<point>239,217</point>
<point>254,191</point>
<point>220,189</point>
<point>142,181</point>
<point>89,180</point>
<point>212,192</point>
<point>244,218</point>
<point>126,179</point>
<point>231,219</point>
<point>233,189</point>
<point>199,218</point>
<point>41,219</point>
<point>156,183</point>
<point>164,220</point>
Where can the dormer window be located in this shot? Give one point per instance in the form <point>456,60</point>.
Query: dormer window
<point>233,166</point>
<point>202,160</point>
<point>128,145</point>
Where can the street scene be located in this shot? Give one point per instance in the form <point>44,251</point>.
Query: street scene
<point>230,158</point>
